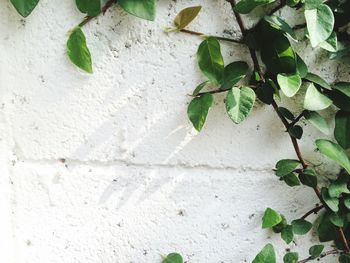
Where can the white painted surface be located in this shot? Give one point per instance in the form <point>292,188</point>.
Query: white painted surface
<point>138,181</point>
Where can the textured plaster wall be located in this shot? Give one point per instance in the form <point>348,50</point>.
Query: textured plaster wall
<point>137,180</point>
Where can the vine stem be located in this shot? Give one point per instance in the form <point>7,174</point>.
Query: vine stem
<point>330,252</point>
<point>284,121</point>
<point>87,19</point>
<point>313,211</point>
<point>238,41</point>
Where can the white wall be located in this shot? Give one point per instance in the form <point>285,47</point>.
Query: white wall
<point>138,181</point>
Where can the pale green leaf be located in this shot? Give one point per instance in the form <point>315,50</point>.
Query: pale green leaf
<point>186,16</point>
<point>239,103</point>
<point>315,100</point>
<point>289,83</point>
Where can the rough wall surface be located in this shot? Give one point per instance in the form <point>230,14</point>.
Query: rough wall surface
<point>137,180</point>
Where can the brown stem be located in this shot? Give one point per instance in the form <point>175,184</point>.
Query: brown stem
<point>238,41</point>
<point>313,211</point>
<point>223,90</point>
<point>295,121</point>
<point>284,121</point>
<point>87,19</point>
<point>331,252</point>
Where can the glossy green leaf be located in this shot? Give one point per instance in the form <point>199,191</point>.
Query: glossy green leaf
<point>186,16</point>
<point>301,226</point>
<point>302,68</point>
<point>331,202</point>
<point>331,43</point>
<point>246,6</point>
<point>199,88</point>
<point>342,129</point>
<point>145,9</point>
<point>318,80</point>
<point>289,83</point>
<point>173,258</point>
<point>320,23</point>
<point>198,109</point>
<point>239,103</point>
<point>291,257</point>
<point>89,7</point>
<point>210,60</point>
<point>271,218</point>
<point>291,180</point>
<point>233,73</point>
<point>24,7</point>
<point>317,121</point>
<point>286,166</point>
<point>279,24</point>
<point>334,152</point>
<point>77,50</point>
<point>337,220</point>
<point>266,255</point>
<point>315,100</point>
<point>287,234</point>
<point>296,131</point>
<point>315,251</point>
<point>308,177</point>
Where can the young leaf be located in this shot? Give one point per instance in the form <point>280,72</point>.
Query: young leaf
<point>210,60</point>
<point>308,177</point>
<point>199,88</point>
<point>266,255</point>
<point>315,100</point>
<point>317,121</point>
<point>332,203</point>
<point>246,6</point>
<point>233,73</point>
<point>145,9</point>
<point>24,7</point>
<point>286,166</point>
<point>77,50</point>
<point>239,103</point>
<point>186,16</point>
<point>287,234</point>
<point>198,110</point>
<point>315,251</point>
<point>334,152</point>
<point>89,7</point>
<point>173,258</point>
<point>301,226</point>
<point>289,83</point>
<point>296,131</point>
<point>279,24</point>
<point>342,129</point>
<point>271,218</point>
<point>291,257</point>
<point>320,23</point>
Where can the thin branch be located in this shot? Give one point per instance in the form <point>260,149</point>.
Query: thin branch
<point>238,41</point>
<point>297,119</point>
<point>313,211</point>
<point>300,26</point>
<point>223,90</point>
<point>331,252</point>
<point>87,19</point>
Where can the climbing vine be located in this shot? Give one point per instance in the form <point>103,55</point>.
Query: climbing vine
<point>278,70</point>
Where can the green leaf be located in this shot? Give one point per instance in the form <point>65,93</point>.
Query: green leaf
<point>291,257</point>
<point>210,60</point>
<point>331,43</point>
<point>301,226</point>
<point>287,234</point>
<point>301,67</point>
<point>315,251</point>
<point>89,7</point>
<point>77,50</point>
<point>198,110</point>
<point>289,83</point>
<point>315,100</point>
<point>279,24</point>
<point>271,218</point>
<point>343,87</point>
<point>24,7</point>
<point>291,180</point>
<point>265,92</point>
<point>296,131</point>
<point>342,129</point>
<point>312,4</point>
<point>345,258</point>
<point>318,80</point>
<point>308,177</point>
<point>320,23</point>
<point>317,121</point>
<point>286,166</point>
<point>337,220</point>
<point>286,113</point>
<point>339,186</point>
<point>334,152</point>
<point>280,226</point>
<point>347,203</point>
<point>173,258</point>
<point>233,73</point>
<point>239,103</point>
<point>326,231</point>
<point>266,255</point>
<point>199,88</point>
<point>246,6</point>
<point>332,203</point>
<point>145,9</point>
<point>186,16</point>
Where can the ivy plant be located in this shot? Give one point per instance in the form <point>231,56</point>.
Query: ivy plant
<point>278,70</point>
